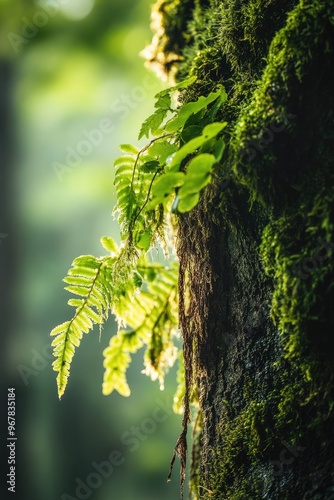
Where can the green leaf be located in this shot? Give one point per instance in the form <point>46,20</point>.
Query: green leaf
<point>96,318</point>
<point>218,149</point>
<point>83,323</point>
<point>194,184</point>
<point>144,240</point>
<point>116,363</point>
<point>82,271</point>
<point>213,129</point>
<point>75,302</point>
<point>92,282</point>
<point>109,244</point>
<point>150,166</point>
<point>217,105</point>
<point>58,339</point>
<point>124,160</point>
<point>191,132</point>
<point>188,203</point>
<point>182,85</point>
<point>190,147</point>
<point>78,290</point>
<point>60,328</point>
<point>162,149</point>
<point>123,177</point>
<point>78,280</point>
<point>163,101</point>
<point>87,261</point>
<point>126,203</point>
<point>166,183</point>
<point>189,109</point>
<point>201,164</point>
<point>129,148</point>
<point>152,123</point>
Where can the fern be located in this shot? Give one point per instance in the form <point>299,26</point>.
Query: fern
<point>147,180</point>
<point>165,176</point>
<point>153,321</point>
<point>88,279</point>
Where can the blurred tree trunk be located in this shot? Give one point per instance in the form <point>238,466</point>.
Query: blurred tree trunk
<point>256,255</point>
<point>7,247</point>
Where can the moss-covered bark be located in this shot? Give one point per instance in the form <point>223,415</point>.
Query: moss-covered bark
<point>256,255</point>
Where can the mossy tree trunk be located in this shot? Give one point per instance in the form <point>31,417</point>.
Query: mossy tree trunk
<point>256,255</point>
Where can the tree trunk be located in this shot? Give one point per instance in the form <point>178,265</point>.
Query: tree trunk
<point>256,255</point>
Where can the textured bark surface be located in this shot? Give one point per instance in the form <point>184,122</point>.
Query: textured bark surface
<point>256,255</point>
<point>234,341</point>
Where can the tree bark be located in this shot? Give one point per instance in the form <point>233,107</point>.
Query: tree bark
<point>256,255</point>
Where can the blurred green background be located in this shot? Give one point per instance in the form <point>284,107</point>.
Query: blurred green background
<point>72,88</point>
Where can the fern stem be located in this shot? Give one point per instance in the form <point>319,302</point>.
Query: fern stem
<point>134,220</point>
<point>77,313</point>
<point>145,148</point>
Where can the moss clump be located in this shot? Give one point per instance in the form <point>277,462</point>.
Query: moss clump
<point>246,438</point>
<point>245,465</point>
<point>297,61</point>
<point>297,250</point>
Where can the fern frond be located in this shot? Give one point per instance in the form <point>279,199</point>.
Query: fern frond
<point>152,316</point>
<point>117,359</point>
<point>88,279</point>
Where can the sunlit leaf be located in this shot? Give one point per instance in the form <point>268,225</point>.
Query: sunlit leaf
<point>144,240</point>
<point>189,109</point>
<point>201,164</point>
<point>109,244</point>
<point>188,202</point>
<point>194,184</point>
<point>152,123</point>
<point>166,183</point>
<point>162,150</point>
<point>129,148</point>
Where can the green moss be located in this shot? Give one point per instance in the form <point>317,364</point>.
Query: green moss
<point>251,441</point>
<point>276,103</point>
<point>245,439</point>
<point>297,251</point>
